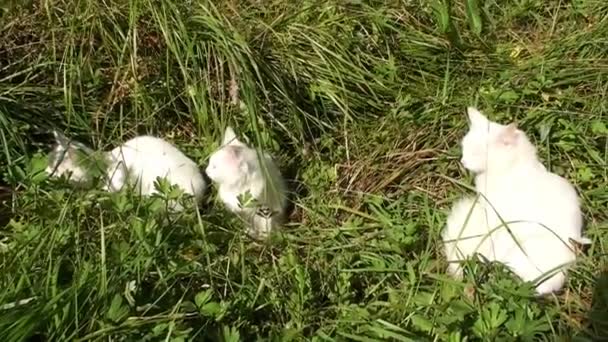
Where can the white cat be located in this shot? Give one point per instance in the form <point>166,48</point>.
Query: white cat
<point>138,163</point>
<point>241,172</point>
<point>541,209</point>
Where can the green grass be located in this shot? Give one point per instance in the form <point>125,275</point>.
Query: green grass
<point>363,104</point>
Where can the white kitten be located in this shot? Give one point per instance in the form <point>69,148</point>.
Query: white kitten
<point>240,171</point>
<point>541,209</point>
<point>141,160</point>
<point>138,163</point>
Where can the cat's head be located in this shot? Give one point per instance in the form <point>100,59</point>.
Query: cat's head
<point>491,145</point>
<point>230,164</point>
<point>65,159</point>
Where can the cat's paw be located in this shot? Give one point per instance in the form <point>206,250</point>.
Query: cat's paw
<point>258,234</point>
<point>261,227</point>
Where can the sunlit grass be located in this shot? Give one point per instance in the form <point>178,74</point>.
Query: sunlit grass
<point>361,103</point>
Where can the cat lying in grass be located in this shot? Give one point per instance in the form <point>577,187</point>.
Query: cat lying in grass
<point>137,163</point>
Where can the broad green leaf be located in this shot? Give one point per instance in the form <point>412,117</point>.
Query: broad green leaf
<point>422,323</point>
<point>211,309</point>
<point>202,298</point>
<point>117,310</point>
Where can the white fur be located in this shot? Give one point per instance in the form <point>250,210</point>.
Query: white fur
<point>66,160</point>
<point>67,166</point>
<point>540,208</point>
<point>461,242</point>
<point>238,169</point>
<point>141,160</point>
<point>138,162</point>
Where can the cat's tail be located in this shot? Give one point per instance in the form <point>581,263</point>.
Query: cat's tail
<point>464,234</point>
<point>464,213</point>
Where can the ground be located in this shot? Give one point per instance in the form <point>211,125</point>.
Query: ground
<point>362,103</point>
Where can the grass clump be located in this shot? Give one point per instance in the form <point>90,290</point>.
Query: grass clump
<point>363,105</point>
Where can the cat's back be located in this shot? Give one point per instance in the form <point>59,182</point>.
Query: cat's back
<point>544,190</point>
<point>558,185</point>
<point>149,157</point>
<point>560,201</point>
<point>545,203</point>
<point>154,153</point>
<point>528,187</point>
<point>152,147</point>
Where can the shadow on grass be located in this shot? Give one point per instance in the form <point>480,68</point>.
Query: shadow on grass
<point>295,187</point>
<point>598,316</point>
<point>5,211</point>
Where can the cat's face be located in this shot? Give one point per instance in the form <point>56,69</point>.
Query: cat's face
<point>68,158</point>
<point>63,161</point>
<point>489,144</point>
<point>228,164</point>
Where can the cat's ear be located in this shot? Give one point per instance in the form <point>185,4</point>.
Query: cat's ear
<point>61,139</point>
<point>476,118</point>
<point>230,137</point>
<point>236,159</point>
<point>509,134</point>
